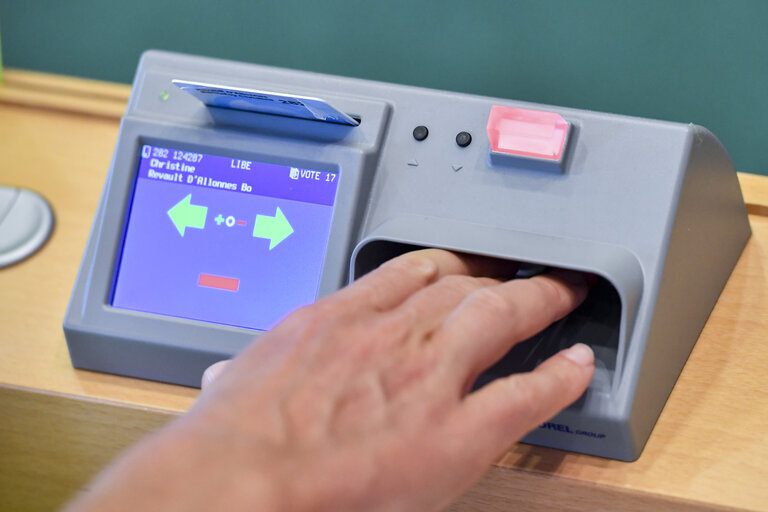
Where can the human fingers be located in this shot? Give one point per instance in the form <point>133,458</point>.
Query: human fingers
<point>506,409</point>
<point>491,320</point>
<point>425,310</point>
<point>212,373</point>
<point>399,278</point>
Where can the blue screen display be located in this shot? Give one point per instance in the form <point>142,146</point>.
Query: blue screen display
<point>223,240</point>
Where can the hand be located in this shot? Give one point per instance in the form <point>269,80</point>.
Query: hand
<point>361,401</point>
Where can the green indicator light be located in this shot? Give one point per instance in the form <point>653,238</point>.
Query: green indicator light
<point>164,95</point>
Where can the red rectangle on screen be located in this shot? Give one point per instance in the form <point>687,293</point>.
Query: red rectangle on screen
<point>223,283</point>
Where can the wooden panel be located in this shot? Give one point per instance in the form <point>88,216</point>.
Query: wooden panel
<point>706,452</point>
<point>755,190</point>
<point>65,156</point>
<point>51,445</point>
<point>64,93</point>
<point>505,489</point>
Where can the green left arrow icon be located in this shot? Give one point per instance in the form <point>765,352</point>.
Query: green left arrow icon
<point>184,215</point>
<point>276,228</point>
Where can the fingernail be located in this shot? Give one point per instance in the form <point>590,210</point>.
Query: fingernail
<point>212,372</point>
<point>208,376</point>
<point>580,354</point>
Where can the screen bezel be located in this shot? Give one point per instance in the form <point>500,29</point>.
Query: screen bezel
<point>175,146</point>
<point>105,246</point>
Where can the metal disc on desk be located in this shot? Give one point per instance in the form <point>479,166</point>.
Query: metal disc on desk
<point>26,222</point>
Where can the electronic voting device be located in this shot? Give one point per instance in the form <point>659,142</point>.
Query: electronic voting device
<point>239,192</point>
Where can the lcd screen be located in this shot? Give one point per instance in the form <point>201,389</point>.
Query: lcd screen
<point>223,240</point>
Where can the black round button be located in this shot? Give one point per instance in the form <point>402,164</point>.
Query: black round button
<point>463,139</point>
<point>420,132</point>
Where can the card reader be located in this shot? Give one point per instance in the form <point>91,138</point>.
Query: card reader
<point>239,192</point>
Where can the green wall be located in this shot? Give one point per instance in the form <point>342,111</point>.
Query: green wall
<point>692,61</point>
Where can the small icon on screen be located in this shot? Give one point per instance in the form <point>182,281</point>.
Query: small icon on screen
<point>231,284</point>
<point>146,151</point>
<point>294,173</point>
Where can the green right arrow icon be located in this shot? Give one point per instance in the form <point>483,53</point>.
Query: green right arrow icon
<point>275,229</point>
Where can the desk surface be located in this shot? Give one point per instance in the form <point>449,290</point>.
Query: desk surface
<point>707,451</point>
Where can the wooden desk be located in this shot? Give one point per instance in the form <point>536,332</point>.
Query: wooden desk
<point>58,425</point>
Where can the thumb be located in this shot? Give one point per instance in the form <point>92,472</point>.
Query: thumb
<point>212,372</point>
<point>507,409</point>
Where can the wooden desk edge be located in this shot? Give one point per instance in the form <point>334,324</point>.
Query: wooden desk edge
<point>81,435</point>
<point>53,444</point>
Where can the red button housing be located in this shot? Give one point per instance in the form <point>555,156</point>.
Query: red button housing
<point>527,134</point>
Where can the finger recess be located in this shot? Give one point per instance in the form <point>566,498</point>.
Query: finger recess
<point>507,409</point>
<point>491,320</point>
<point>393,282</point>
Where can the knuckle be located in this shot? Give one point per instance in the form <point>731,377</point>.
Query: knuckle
<point>560,382</point>
<point>490,300</point>
<point>301,409</point>
<point>566,380</point>
<point>308,315</point>
<point>459,283</point>
<point>311,320</point>
<point>365,291</point>
<point>553,293</point>
<point>394,329</point>
<point>415,370</point>
<point>414,263</point>
<point>530,398</point>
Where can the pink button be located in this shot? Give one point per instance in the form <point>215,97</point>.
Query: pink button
<point>527,133</point>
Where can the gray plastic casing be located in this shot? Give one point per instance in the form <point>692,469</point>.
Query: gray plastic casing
<point>654,208</point>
